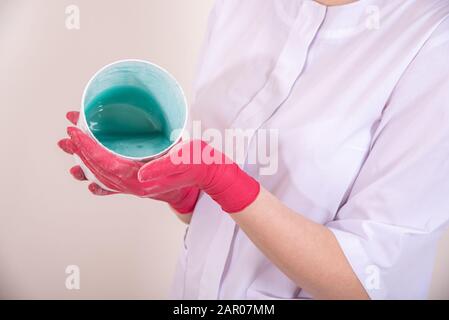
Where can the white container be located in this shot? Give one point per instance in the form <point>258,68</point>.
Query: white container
<point>157,97</point>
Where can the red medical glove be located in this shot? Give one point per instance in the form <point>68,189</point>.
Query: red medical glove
<point>119,173</point>
<point>197,164</point>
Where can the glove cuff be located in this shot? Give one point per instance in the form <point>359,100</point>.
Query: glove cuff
<point>239,194</point>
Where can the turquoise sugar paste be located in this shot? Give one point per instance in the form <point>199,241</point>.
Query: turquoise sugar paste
<point>128,121</point>
<point>132,108</point>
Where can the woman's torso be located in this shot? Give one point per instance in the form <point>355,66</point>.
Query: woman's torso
<point>316,81</point>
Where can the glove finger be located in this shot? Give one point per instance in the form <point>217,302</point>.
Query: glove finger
<point>99,191</point>
<point>67,146</point>
<point>73,117</point>
<point>78,173</point>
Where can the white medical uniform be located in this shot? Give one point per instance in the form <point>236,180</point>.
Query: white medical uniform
<point>360,96</point>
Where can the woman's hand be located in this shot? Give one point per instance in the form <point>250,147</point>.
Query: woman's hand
<point>196,164</point>
<point>118,173</point>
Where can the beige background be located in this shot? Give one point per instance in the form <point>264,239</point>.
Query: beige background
<point>125,247</point>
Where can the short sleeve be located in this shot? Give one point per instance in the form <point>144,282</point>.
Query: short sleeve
<point>399,204</point>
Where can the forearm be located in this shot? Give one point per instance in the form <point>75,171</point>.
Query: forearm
<point>307,252</point>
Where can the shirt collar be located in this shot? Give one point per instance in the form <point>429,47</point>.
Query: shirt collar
<point>345,20</point>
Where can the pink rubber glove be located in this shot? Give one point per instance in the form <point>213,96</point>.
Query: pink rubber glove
<point>119,173</point>
<point>197,164</point>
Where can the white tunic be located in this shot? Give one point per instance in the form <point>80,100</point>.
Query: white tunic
<point>360,96</point>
